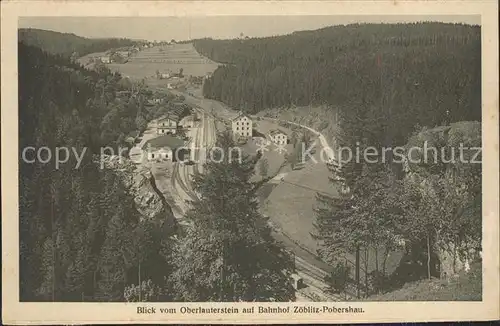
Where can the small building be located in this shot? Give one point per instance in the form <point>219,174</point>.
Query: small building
<point>105,59</point>
<point>278,137</point>
<point>124,54</point>
<point>168,125</point>
<point>242,126</point>
<point>165,147</point>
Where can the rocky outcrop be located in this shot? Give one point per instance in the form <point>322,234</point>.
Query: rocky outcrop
<point>140,183</point>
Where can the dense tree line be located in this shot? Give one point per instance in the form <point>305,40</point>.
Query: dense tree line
<point>66,44</point>
<point>81,237</point>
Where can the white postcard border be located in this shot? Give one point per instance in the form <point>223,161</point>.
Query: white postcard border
<point>14,312</point>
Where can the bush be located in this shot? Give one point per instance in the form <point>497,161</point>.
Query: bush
<point>338,278</point>
<point>378,282</point>
<point>150,292</point>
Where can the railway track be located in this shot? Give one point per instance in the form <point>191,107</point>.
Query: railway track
<point>181,173</point>
<point>182,182</point>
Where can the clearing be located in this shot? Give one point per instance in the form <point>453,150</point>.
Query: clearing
<point>167,58</point>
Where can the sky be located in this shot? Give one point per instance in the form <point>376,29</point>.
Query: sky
<point>184,28</point>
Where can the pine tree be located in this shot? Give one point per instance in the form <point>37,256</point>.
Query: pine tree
<point>228,253</point>
<point>344,223</point>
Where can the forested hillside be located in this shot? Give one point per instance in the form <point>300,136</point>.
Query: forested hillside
<point>403,74</point>
<point>80,233</point>
<point>66,44</point>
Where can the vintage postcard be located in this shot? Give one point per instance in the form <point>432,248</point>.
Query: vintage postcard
<point>249,162</point>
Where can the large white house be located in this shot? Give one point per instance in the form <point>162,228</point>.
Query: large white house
<point>278,137</point>
<point>242,125</point>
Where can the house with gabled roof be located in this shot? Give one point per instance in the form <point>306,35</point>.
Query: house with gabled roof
<point>165,147</point>
<point>242,125</point>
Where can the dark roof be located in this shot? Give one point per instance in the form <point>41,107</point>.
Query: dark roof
<point>165,141</point>
<point>241,115</point>
<point>133,133</point>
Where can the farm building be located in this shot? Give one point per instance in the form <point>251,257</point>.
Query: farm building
<point>297,281</point>
<point>242,125</point>
<point>168,125</point>
<point>165,147</point>
<point>278,137</point>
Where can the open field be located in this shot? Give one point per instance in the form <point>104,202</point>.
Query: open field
<point>290,205</point>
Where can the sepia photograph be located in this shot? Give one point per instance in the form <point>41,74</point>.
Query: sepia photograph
<point>250,164</point>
